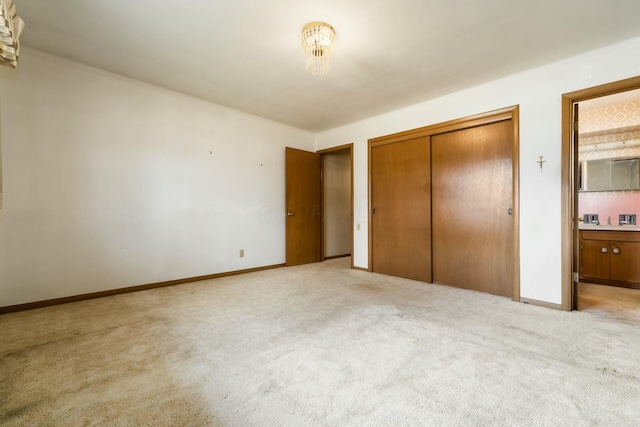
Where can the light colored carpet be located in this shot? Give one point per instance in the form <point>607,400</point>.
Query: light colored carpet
<point>316,345</point>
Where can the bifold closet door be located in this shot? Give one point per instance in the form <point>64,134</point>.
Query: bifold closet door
<point>472,197</point>
<point>401,209</point>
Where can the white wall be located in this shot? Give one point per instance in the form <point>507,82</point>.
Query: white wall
<point>538,92</point>
<point>337,203</point>
<point>110,182</point>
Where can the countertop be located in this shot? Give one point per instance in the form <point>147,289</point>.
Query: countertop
<point>609,227</point>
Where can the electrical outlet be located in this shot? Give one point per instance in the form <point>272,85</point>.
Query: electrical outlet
<point>241,253</point>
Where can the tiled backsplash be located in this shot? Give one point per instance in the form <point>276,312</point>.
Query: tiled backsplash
<point>609,204</point>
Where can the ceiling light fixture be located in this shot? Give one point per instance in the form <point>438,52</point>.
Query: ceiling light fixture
<point>317,42</point>
<point>11,27</point>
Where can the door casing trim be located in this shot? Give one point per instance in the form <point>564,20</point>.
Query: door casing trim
<point>569,180</point>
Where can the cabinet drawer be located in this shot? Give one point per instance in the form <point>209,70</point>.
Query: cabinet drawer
<point>620,236</point>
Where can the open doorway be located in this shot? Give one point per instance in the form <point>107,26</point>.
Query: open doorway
<point>608,205</point>
<point>601,162</point>
<point>303,184</point>
<point>319,204</point>
<point>337,202</point>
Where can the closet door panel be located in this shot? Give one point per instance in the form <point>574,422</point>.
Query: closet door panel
<point>472,194</point>
<point>401,209</point>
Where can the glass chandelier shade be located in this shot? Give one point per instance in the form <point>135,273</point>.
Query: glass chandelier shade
<point>317,41</point>
<point>11,27</point>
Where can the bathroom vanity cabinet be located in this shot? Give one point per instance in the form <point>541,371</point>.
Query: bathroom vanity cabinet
<point>610,257</point>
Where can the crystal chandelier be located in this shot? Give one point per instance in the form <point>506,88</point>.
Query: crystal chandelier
<point>10,28</point>
<point>317,42</point>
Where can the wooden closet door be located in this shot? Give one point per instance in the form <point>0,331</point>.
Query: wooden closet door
<point>401,209</point>
<point>472,190</point>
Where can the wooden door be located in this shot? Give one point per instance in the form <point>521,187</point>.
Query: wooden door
<point>625,261</point>
<point>594,259</point>
<point>576,267</point>
<point>401,209</point>
<point>472,190</point>
<point>304,214</point>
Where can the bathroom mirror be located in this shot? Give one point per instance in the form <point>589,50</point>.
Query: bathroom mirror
<point>610,174</point>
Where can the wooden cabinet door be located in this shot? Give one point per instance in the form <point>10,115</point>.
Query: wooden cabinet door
<point>594,259</point>
<point>625,261</point>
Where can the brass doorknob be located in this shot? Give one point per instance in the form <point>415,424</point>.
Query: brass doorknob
<point>289,213</point>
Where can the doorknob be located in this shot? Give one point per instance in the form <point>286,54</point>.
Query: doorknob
<point>616,251</point>
<point>289,213</point>
<point>604,250</point>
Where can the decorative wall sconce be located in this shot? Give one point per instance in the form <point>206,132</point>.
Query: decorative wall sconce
<point>541,162</point>
<point>11,27</point>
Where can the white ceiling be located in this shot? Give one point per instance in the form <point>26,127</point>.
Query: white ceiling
<point>246,54</point>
